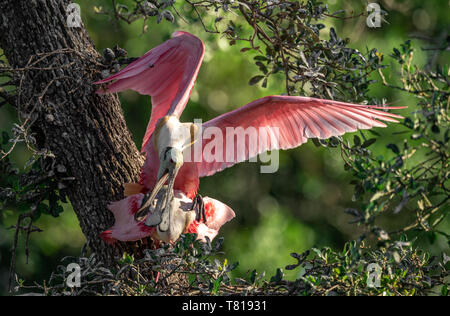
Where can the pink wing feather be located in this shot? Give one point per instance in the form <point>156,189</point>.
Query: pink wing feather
<point>126,228</point>
<point>296,118</point>
<point>217,214</point>
<point>167,73</point>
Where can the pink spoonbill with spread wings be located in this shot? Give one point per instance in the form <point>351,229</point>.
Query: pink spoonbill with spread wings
<point>165,203</point>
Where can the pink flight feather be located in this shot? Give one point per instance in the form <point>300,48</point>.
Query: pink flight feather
<point>296,119</point>
<point>167,73</point>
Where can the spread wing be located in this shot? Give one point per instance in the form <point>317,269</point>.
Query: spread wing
<point>167,73</point>
<point>281,122</point>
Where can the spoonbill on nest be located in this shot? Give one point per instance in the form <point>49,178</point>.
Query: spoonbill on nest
<point>165,203</point>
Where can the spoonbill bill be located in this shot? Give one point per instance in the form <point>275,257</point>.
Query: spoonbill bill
<point>167,73</point>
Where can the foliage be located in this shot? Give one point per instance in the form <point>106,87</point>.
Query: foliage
<point>415,177</point>
<point>152,274</point>
<point>285,35</point>
<point>40,189</point>
<point>37,189</point>
<point>402,271</point>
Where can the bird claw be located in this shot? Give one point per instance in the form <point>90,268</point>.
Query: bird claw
<point>199,207</point>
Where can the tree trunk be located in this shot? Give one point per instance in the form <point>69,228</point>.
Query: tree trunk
<point>56,66</point>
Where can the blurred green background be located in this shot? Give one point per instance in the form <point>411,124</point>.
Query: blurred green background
<point>294,209</point>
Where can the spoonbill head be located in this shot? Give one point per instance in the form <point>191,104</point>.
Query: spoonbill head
<point>169,139</point>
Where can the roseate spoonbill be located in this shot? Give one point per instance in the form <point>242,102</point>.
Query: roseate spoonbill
<point>183,219</point>
<point>186,211</point>
<point>167,73</point>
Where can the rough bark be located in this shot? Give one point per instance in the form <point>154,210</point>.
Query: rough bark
<point>86,133</point>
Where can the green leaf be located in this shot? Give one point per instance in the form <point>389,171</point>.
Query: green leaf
<point>264,84</point>
<point>5,138</point>
<point>43,208</point>
<point>232,266</point>
<point>262,67</point>
<point>168,16</point>
<point>435,129</point>
<point>126,259</point>
<point>278,276</point>
<point>316,142</point>
<point>192,278</point>
<point>333,36</point>
<point>394,148</point>
<point>216,285</point>
<point>432,237</point>
<point>374,133</point>
<point>255,80</point>
<point>444,290</point>
<point>260,58</point>
<point>369,142</point>
<point>58,209</point>
<point>253,276</point>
